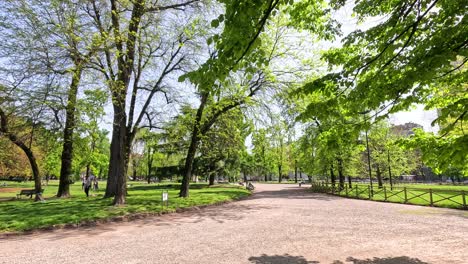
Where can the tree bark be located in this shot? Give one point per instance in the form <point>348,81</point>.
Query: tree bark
<point>134,170</point>
<point>34,168</point>
<point>340,173</point>
<point>389,170</point>
<point>350,185</point>
<point>116,181</point>
<point>29,154</point>
<point>332,175</point>
<point>150,163</point>
<point>67,150</point>
<point>212,179</point>
<point>184,188</point>
<point>379,177</point>
<point>88,170</point>
<point>295,171</point>
<point>279,173</point>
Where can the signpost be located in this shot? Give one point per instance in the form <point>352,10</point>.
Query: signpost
<point>165,198</point>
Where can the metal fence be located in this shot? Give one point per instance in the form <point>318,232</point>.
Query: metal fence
<point>428,197</point>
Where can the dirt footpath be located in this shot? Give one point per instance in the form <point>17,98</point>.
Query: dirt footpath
<point>279,224</point>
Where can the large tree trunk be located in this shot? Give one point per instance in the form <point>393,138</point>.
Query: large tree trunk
<point>184,188</point>
<point>379,177</point>
<point>389,170</point>
<point>332,175</point>
<point>340,173</point>
<point>149,164</point>
<point>34,168</point>
<point>29,154</point>
<point>67,151</point>
<point>134,170</point>
<point>264,164</point>
<point>148,176</point>
<point>295,171</point>
<point>88,170</point>
<point>212,179</point>
<point>116,180</point>
<point>279,173</point>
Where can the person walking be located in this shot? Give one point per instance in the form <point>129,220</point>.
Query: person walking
<point>87,185</point>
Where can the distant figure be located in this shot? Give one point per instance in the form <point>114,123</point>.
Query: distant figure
<point>301,182</point>
<point>96,184</point>
<point>83,181</point>
<point>87,184</point>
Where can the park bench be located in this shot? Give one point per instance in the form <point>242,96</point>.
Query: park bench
<point>27,193</point>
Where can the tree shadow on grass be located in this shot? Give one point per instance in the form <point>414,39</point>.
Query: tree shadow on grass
<point>288,259</point>
<point>168,186</point>
<point>218,214</point>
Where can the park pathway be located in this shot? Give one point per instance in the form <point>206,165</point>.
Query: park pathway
<point>279,224</point>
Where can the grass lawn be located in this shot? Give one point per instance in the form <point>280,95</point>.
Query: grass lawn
<point>24,214</point>
<point>423,186</point>
<point>450,196</point>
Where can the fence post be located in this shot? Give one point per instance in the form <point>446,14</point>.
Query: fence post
<point>385,193</point>
<point>346,190</point>
<point>406,195</point>
<point>357,194</point>
<point>430,197</point>
<point>369,189</point>
<point>464,200</point>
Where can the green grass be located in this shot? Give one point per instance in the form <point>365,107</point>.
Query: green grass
<point>24,214</point>
<point>424,186</point>
<point>418,194</point>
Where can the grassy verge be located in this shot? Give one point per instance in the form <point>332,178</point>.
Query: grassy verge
<point>424,194</point>
<point>21,215</point>
<point>444,187</point>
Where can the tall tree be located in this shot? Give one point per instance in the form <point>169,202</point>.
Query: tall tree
<point>6,131</point>
<point>234,73</point>
<point>418,49</point>
<point>132,30</point>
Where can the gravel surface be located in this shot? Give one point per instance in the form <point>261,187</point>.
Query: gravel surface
<point>278,224</point>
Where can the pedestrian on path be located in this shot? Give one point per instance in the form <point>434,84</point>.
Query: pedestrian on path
<point>87,184</point>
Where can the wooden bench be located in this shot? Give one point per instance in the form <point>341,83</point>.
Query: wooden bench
<point>27,193</point>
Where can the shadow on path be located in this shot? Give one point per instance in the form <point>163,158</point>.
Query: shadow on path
<point>280,259</point>
<point>286,258</point>
<point>292,193</point>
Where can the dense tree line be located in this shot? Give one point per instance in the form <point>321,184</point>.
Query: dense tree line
<point>173,79</point>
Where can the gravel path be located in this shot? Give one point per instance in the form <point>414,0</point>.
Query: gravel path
<point>279,224</point>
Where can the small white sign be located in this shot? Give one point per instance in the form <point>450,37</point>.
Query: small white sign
<point>165,196</point>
